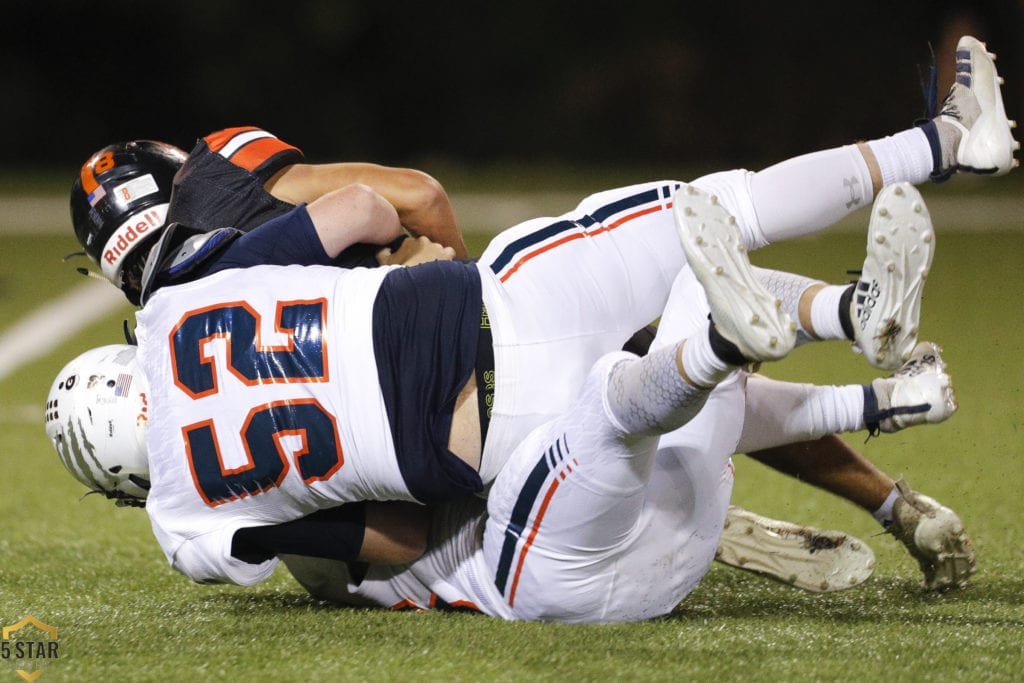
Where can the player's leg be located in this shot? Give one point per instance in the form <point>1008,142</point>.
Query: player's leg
<point>778,412</point>
<point>971,133</point>
<point>562,292</point>
<point>566,509</point>
<point>628,244</point>
<point>602,268</point>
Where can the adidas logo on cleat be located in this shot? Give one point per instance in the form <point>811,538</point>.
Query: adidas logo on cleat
<point>867,297</point>
<point>927,362</point>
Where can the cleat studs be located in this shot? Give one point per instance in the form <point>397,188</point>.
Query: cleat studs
<point>755,319</point>
<point>792,578</point>
<point>880,239</point>
<point>853,580</point>
<point>918,208</point>
<point>792,326</point>
<point>824,585</point>
<point>1001,80</point>
<point>740,248</point>
<point>732,220</point>
<point>927,237</point>
<point>690,189</point>
<point>855,546</point>
<point>778,303</point>
<point>773,342</point>
<point>883,212</point>
<point>719,270</point>
<point>714,199</point>
<point>898,191</point>
<point>891,267</point>
<point>688,211</point>
<point>1013,124</point>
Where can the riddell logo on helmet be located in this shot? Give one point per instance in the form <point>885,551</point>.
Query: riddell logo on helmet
<point>130,233</point>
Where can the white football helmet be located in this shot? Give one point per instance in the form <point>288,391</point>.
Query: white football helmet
<point>96,417</point>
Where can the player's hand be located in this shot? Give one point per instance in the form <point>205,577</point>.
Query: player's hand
<point>414,251</point>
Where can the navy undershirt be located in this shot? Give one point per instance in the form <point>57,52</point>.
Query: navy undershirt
<point>426,320</point>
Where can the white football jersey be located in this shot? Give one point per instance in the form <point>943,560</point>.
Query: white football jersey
<point>265,407</point>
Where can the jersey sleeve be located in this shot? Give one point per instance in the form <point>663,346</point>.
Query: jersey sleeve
<point>207,558</point>
<point>257,151</point>
<point>221,184</point>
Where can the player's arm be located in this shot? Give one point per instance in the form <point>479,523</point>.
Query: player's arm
<point>377,533</point>
<point>353,214</point>
<point>421,202</point>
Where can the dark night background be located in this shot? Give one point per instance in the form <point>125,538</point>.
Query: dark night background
<point>483,83</point>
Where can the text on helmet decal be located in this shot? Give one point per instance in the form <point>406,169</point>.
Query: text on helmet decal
<point>127,235</point>
<point>136,188</point>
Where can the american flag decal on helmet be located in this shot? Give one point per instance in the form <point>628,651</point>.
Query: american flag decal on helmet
<point>124,383</point>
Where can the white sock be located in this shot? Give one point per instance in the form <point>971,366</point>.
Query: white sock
<point>700,363</point>
<point>884,513</point>
<point>905,156</point>
<point>826,314</point>
<point>789,412</point>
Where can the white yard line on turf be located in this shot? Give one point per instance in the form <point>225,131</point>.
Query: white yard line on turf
<point>55,322</point>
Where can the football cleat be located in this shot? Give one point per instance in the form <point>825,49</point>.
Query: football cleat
<point>920,392</point>
<point>804,557</point>
<point>975,107</point>
<point>934,535</point>
<point>886,304</point>
<point>742,310</point>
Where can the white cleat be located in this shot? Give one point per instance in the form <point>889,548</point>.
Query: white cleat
<point>934,535</point>
<point>742,310</point>
<point>975,106</point>
<point>804,557</point>
<point>886,305</point>
<point>918,393</point>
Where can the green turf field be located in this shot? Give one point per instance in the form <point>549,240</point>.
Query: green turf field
<point>95,573</point>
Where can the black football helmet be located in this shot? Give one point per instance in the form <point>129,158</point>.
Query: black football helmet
<point>119,206</point>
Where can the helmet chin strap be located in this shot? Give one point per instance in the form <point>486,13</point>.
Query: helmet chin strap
<point>91,273</point>
<point>120,498</point>
<point>83,271</point>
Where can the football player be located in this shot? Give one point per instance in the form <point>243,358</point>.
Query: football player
<point>211,245</point>
<point>588,521</point>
